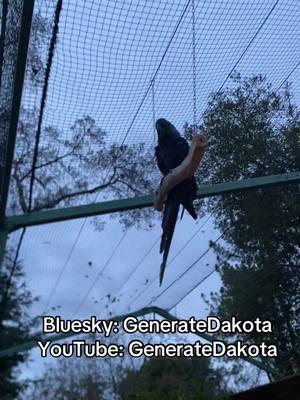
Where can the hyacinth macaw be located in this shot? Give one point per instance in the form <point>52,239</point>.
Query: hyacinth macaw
<point>170,151</point>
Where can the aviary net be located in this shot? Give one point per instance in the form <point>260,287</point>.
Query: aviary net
<point>98,75</point>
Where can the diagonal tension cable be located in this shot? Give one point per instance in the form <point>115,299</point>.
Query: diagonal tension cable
<point>249,44</point>
<point>44,96</point>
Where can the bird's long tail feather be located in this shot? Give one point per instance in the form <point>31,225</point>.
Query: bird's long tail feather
<point>168,224</point>
<point>187,192</point>
<point>190,209</point>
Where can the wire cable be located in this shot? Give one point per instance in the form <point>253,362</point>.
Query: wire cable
<point>168,46</point>
<point>290,73</point>
<point>134,270</point>
<point>172,260</point>
<point>153,110</point>
<point>44,96</point>
<point>249,44</point>
<point>144,257</point>
<point>100,273</point>
<point>190,267</point>
<point>199,283</point>
<point>53,290</point>
<point>125,136</point>
<point>194,77</point>
<point>244,52</point>
<point>156,71</point>
<point>138,264</point>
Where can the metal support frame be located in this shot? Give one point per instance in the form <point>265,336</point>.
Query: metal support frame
<point>44,217</point>
<point>3,240</point>
<point>24,37</point>
<point>64,214</point>
<point>139,313</point>
<point>10,224</point>
<point>27,12</point>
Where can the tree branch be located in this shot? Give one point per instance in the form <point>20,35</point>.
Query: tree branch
<point>20,193</point>
<point>46,164</point>
<point>40,182</point>
<point>134,191</point>
<point>69,196</point>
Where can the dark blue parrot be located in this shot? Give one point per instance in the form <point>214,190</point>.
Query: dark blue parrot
<point>170,151</point>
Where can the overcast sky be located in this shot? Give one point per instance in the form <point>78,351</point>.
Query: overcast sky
<point>106,55</point>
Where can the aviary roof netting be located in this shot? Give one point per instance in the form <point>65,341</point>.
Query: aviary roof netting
<point>116,65</point>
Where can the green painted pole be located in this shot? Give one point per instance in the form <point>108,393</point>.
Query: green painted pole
<point>90,210</point>
<point>141,312</point>
<point>3,240</point>
<point>24,37</point>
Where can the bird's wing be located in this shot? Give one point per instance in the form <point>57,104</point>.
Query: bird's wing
<point>160,163</point>
<point>168,225</point>
<point>187,192</point>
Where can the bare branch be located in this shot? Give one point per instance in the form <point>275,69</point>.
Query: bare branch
<point>69,196</point>
<point>40,182</point>
<point>134,190</point>
<point>20,193</point>
<point>46,164</point>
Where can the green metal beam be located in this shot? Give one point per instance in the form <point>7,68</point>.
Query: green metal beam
<point>27,12</point>
<point>64,214</point>
<point>141,312</point>
<point>46,217</point>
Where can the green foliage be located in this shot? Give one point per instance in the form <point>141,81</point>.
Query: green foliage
<point>15,325</point>
<point>69,379</point>
<point>253,132</point>
<point>171,379</point>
